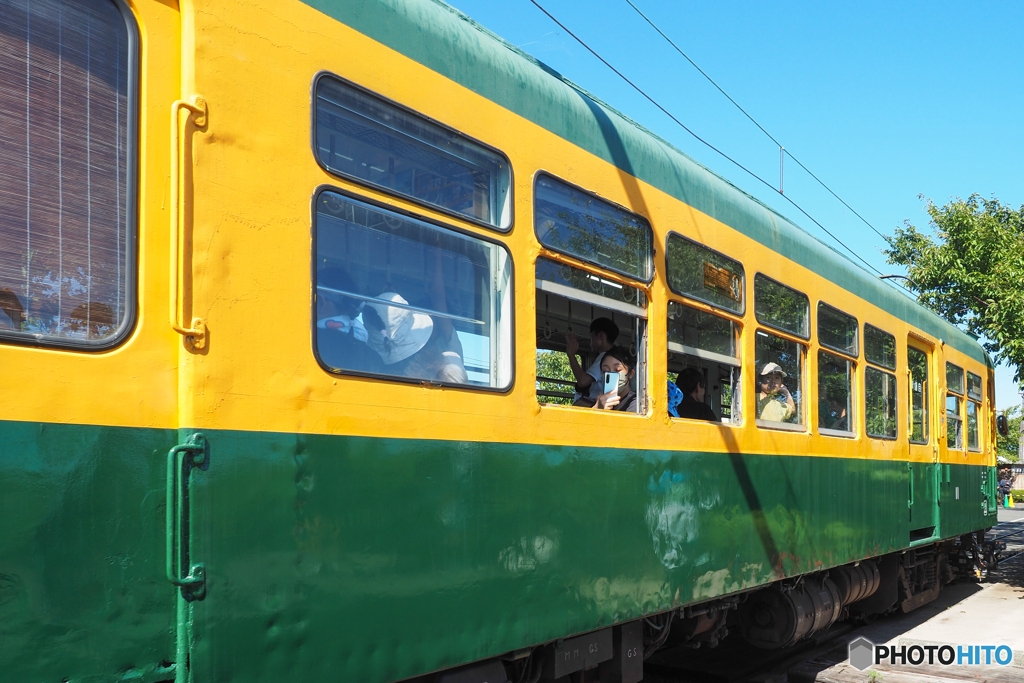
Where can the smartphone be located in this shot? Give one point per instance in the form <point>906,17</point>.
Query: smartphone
<point>611,382</point>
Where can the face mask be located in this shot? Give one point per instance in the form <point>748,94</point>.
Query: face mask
<point>623,381</point>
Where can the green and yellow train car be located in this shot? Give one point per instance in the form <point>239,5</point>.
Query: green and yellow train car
<point>275,280</point>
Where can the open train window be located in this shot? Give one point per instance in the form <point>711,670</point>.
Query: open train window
<point>569,300</point>
<point>779,382</point>
<point>781,307</point>
<point>954,399</point>
<point>401,297</point>
<point>68,108</point>
<point>374,141</point>
<point>579,224</point>
<point>974,394</point>
<point>708,346</point>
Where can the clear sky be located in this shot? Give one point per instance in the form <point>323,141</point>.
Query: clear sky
<point>882,101</point>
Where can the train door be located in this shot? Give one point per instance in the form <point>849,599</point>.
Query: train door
<point>922,464</point>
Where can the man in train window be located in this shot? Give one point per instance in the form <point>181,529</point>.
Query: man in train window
<point>603,333</point>
<point>774,402</point>
<point>691,383</point>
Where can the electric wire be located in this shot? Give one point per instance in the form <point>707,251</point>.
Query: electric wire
<point>699,138</point>
<point>754,121</point>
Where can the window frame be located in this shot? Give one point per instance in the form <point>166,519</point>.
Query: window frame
<point>687,295</point>
<point>851,432</point>
<point>131,185</point>
<point>856,323</point>
<point>977,425</point>
<point>926,421</point>
<point>801,427</point>
<point>805,340</point>
<point>896,418</point>
<point>320,189</point>
<point>593,264</point>
<point>864,336</point>
<point>393,193</point>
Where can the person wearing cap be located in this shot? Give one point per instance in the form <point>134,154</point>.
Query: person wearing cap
<point>774,402</point>
<point>340,335</point>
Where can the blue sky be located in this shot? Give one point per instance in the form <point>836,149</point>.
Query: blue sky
<point>882,101</point>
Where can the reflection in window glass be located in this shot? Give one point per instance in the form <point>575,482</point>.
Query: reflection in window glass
<point>401,297</point>
<point>581,225</point>
<point>67,185</point>
<point>780,306</point>
<point>954,424</point>
<point>880,403</point>
<point>918,362</point>
<point>972,425</point>
<point>696,330</point>
<point>779,379</point>
<point>698,272</point>
<point>581,280</point>
<point>879,347</point>
<point>973,386</point>
<point>837,330</point>
<point>835,392</point>
<point>955,378</point>
<point>361,136</point>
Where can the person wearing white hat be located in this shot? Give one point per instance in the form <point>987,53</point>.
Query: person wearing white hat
<point>774,402</point>
<point>411,344</point>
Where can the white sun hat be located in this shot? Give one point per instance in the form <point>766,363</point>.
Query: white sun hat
<point>405,332</point>
<point>772,368</point>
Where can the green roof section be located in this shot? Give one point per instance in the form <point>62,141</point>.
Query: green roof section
<point>448,42</point>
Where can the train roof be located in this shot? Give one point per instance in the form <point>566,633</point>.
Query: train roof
<point>445,40</point>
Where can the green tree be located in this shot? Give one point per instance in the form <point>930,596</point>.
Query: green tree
<point>1007,446</point>
<point>554,365</point>
<point>970,270</point>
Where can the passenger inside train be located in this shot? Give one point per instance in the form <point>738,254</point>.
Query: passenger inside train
<point>622,397</point>
<point>693,387</point>
<point>603,333</point>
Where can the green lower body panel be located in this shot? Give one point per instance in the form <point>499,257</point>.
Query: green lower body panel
<point>367,559</point>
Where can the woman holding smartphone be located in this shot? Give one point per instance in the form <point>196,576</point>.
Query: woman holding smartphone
<point>617,369</point>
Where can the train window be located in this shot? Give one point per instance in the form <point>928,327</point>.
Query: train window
<point>880,403</point>
<point>695,271</point>
<point>954,423</point>
<point>708,342</point>
<point>779,381</point>
<point>974,386</point>
<point>917,361</point>
<point>407,299</point>
<point>577,223</point>
<point>955,379</point>
<point>837,330</point>
<point>835,394</point>
<point>370,140</point>
<point>879,347</point>
<point>570,302</point>
<point>67,172</point>
<point>782,307</point>
<point>972,426</point>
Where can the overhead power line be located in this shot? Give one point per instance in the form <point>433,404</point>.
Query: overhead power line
<point>699,138</point>
<point>771,137</point>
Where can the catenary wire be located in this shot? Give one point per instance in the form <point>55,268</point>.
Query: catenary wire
<point>699,138</point>
<point>752,120</point>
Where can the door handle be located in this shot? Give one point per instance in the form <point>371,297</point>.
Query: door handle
<point>181,460</point>
<point>196,109</point>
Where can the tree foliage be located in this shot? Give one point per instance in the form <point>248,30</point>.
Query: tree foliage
<point>555,365</point>
<point>1008,446</point>
<point>970,270</point>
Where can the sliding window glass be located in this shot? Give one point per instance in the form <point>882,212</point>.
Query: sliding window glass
<point>779,381</point>
<point>400,297</point>
<point>836,331</point>
<point>700,273</point>
<point>68,145</point>
<point>704,364</point>
<point>974,394</point>
<point>917,362</point>
<point>574,222</point>
<point>781,307</point>
<point>879,383</point>
<point>374,141</point>
<point>954,400</point>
